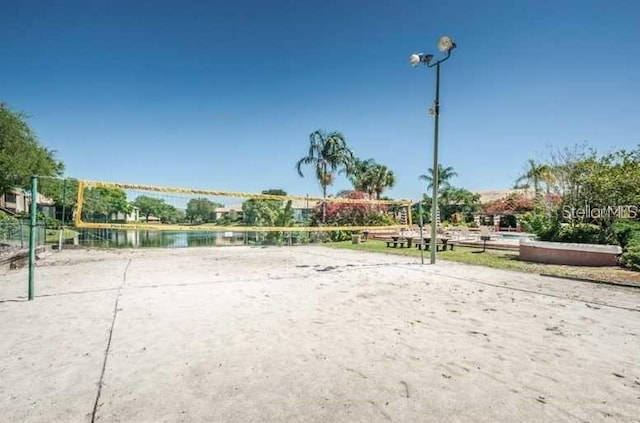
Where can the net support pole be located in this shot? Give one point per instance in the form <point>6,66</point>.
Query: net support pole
<point>434,198</point>
<point>421,234</point>
<point>32,234</point>
<point>64,201</point>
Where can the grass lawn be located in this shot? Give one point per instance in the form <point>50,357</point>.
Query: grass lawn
<point>53,235</point>
<point>502,260</point>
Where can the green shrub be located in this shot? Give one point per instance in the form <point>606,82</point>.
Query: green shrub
<point>6,218</point>
<point>49,222</point>
<point>336,236</point>
<point>300,237</point>
<point>627,234</point>
<point>631,256</point>
<point>582,233</point>
<point>549,228</point>
<point>545,227</point>
<point>625,230</point>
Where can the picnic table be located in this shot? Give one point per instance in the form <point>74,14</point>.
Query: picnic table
<point>441,242</point>
<point>399,241</point>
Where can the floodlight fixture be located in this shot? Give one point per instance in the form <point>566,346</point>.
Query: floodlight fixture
<point>446,44</point>
<point>416,59</point>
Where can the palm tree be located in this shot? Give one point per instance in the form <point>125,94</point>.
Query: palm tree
<point>381,177</point>
<point>371,177</point>
<point>444,175</point>
<point>361,175</point>
<point>327,154</point>
<point>533,176</point>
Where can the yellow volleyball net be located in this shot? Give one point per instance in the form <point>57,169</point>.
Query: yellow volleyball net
<point>133,207</point>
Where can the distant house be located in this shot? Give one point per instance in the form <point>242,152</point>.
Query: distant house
<point>233,212</point>
<point>17,201</point>
<point>302,209</point>
<point>132,216</point>
<point>152,219</point>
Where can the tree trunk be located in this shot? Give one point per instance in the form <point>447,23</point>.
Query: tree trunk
<point>324,192</point>
<point>324,204</point>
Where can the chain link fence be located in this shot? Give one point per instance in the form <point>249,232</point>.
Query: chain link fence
<point>14,234</point>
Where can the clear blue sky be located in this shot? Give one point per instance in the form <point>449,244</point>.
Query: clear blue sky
<point>223,94</point>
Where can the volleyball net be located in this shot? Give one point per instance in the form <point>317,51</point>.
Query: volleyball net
<point>112,205</point>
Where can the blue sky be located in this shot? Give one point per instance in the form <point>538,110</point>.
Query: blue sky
<point>223,95</point>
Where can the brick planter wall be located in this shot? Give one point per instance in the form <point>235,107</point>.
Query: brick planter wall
<point>570,254</point>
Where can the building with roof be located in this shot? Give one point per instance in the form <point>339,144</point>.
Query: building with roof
<point>17,201</point>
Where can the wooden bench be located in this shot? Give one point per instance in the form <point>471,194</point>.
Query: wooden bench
<point>441,244</point>
<point>395,242</point>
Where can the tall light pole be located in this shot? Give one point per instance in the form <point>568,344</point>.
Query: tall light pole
<point>445,45</point>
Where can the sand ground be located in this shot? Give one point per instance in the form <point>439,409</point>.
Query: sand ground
<point>310,334</point>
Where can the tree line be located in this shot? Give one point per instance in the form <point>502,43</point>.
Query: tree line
<point>568,179</point>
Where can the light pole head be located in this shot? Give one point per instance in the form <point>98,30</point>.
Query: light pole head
<point>416,59</point>
<point>446,44</point>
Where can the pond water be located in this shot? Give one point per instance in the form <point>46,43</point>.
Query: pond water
<point>165,239</point>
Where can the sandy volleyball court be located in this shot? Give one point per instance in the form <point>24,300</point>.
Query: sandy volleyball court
<point>310,334</point>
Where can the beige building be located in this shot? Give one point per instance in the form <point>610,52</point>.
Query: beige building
<point>233,212</point>
<point>17,201</point>
<point>132,216</point>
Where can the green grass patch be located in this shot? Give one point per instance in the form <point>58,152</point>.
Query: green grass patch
<point>500,259</point>
<point>53,235</point>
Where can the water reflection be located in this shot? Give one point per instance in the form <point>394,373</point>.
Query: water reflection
<point>166,239</point>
